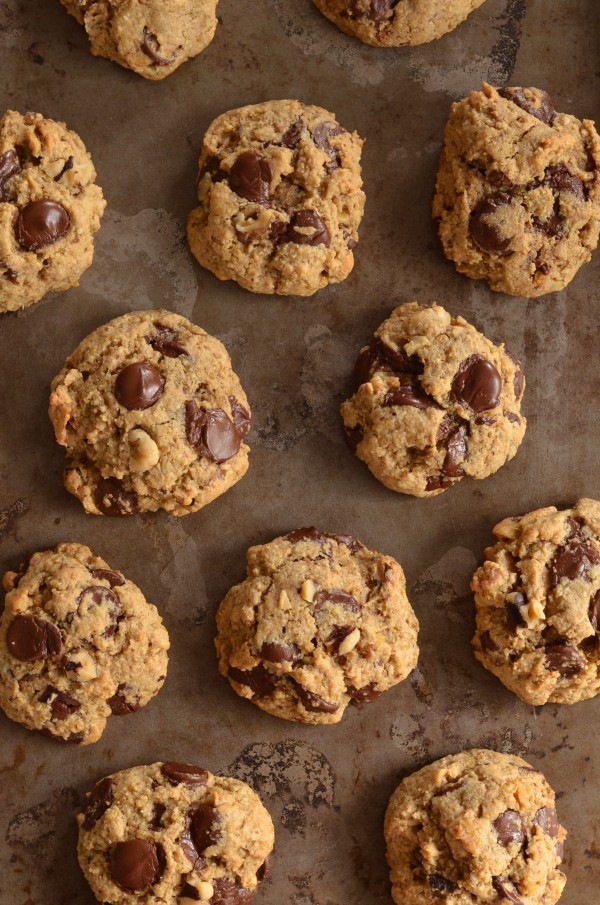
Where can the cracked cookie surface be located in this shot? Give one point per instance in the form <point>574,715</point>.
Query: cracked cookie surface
<point>78,642</point>
<point>473,828</point>
<point>50,208</point>
<point>174,834</point>
<point>152,38</point>
<point>434,400</point>
<point>537,600</point>
<point>152,417</point>
<point>320,621</point>
<point>391,23</point>
<point>280,197</point>
<point>517,199</point>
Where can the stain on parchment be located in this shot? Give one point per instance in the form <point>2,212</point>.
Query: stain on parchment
<point>504,52</point>
<point>35,827</point>
<point>287,768</point>
<point>19,756</point>
<point>10,514</point>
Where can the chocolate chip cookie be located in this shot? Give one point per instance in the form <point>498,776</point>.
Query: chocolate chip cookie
<point>174,833</point>
<point>50,208</point>
<point>280,198</point>
<point>434,400</point>
<point>152,417</point>
<point>391,23</point>
<point>78,642</point>
<point>474,828</point>
<point>517,200</point>
<point>320,621</point>
<point>537,599</point>
<point>152,38</point>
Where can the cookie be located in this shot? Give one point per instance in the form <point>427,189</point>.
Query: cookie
<point>152,38</point>
<point>517,199</point>
<point>475,828</point>
<point>537,600</point>
<point>280,196</point>
<point>388,23</point>
<point>175,834</point>
<point>320,621</point>
<point>78,642</point>
<point>50,208</point>
<point>152,417</point>
<point>434,400</point>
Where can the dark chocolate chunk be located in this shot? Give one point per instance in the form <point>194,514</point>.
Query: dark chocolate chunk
<point>189,892</point>
<point>29,638</point>
<point>437,482</point>
<point>139,386</point>
<point>250,177</point>
<point>487,643</point>
<point>547,819</point>
<point>499,180</point>
<point>564,659</point>
<point>308,220</point>
<point>211,432</point>
<point>120,705</point>
<point>594,612</point>
<point>205,828</point>
<point>113,578</point>
<point>258,679</point>
<point>561,180</point>
<point>321,135</point>
<point>448,787</point>
<point>318,537</point>
<point>378,356</point>
<point>241,417</point>
<point>364,694</point>
<point>441,884</point>
<point>165,343</point>
<point>62,705</point>
<point>510,827</point>
<point>188,845</point>
<point>409,395</point>
<point>10,165</point>
<point>212,166</point>
<point>149,46</point>
<point>227,893</point>
<point>276,652</point>
<point>112,499</point>
<point>313,702</point>
<point>477,384</point>
<point>68,166</point>
<point>512,417</point>
<point>456,452</point>
<point>337,635</point>
<point>158,811</point>
<point>98,595</point>
<point>506,889</point>
<point>135,865</point>
<point>513,609</point>
<point>337,597</point>
<point>186,774</point>
<point>573,560</point>
<point>97,803</point>
<point>544,112</point>
<point>484,233</point>
<point>293,135</point>
<point>41,223</point>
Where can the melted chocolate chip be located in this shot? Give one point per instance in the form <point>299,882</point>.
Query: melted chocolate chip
<point>119,704</point>
<point>513,609</point>
<point>276,652</point>
<point>211,432</point>
<point>487,643</point>
<point>553,226</point>
<point>448,787</point>
<point>456,452</point>
<point>113,578</point>
<point>437,482</point>
<point>112,499</point>
<point>441,884</point>
<point>337,635</point>
<point>512,417</point>
<point>378,356</point>
<point>594,612</point>
<point>293,135</point>
<point>29,638</point>
<point>135,865</point>
<point>507,890</point>
<point>149,46</point>
<point>139,386</point>
<point>364,694</point>
<point>227,893</point>
<point>499,180</point>
<point>186,774</point>
<point>510,827</point>
<point>337,597</point>
<point>10,165</point>
<point>241,417</point>
<point>565,659</point>
<point>250,177</point>
<point>561,180</point>
<point>68,166</point>
<point>547,819</point>
<point>313,702</point>
<point>189,892</point>
<point>205,828</point>
<point>98,595</point>
<point>544,112</point>
<point>409,395</point>
<point>484,233</point>
<point>158,811</point>
<point>212,166</point>
<point>258,679</point>
<point>62,705</point>
<point>317,234</point>
<point>165,343</point>
<point>318,537</point>
<point>188,846</point>
<point>572,561</point>
<point>477,384</point>
<point>321,135</point>
<point>41,223</point>
<point>98,802</point>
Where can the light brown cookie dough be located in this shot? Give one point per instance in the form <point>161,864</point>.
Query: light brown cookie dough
<point>153,38</point>
<point>391,23</point>
<point>320,621</point>
<point>174,834</point>
<point>434,400</point>
<point>280,197</point>
<point>50,208</point>
<point>537,599</point>
<point>475,828</point>
<point>152,417</point>
<point>78,642</point>
<point>517,199</point>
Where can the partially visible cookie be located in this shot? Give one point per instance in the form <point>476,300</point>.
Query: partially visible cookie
<point>78,642</point>
<point>50,208</point>
<point>152,417</point>
<point>517,199</point>
<point>434,400</point>
<point>320,621</point>
<point>280,197</point>
<point>152,38</point>
<point>475,828</point>
<point>537,600</point>
<point>173,833</point>
<point>389,23</point>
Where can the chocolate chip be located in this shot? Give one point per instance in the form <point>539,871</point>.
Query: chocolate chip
<point>135,865</point>
<point>572,561</point>
<point>205,827</point>
<point>275,652</point>
<point>258,679</point>
<point>353,436</point>
<point>321,135</point>
<point>456,452</point>
<point>112,499</point>
<point>10,165</point>
<point>499,180</point>
<point>594,612</point>
<point>437,482</point>
<point>378,356</point>
<point>513,609</point>
<point>29,638</point>
<point>313,702</point>
<point>441,884</point>
<point>337,635</point>
<point>561,180</point>
<point>377,9</point>
<point>293,135</point>
<point>510,827</point>
<point>165,343</point>
<point>484,233</point>
<point>120,705</point>
<point>68,166</point>
<point>158,811</point>
<point>212,166</point>
<point>318,537</point>
<point>211,432</point>
<point>547,819</point>
<point>506,889</point>
<point>364,694</point>
<point>113,578</point>
<point>188,845</point>
<point>519,381</point>
<point>186,774</point>
<point>227,893</point>
<point>553,226</point>
<point>97,595</point>
<point>97,803</point>
<point>565,659</point>
<point>487,644</point>
<point>409,395</point>
<point>448,787</point>
<point>41,223</point>
<point>477,384</point>
<point>544,112</point>
<point>139,386</point>
<point>62,705</point>
<point>9,275</point>
<point>241,417</point>
<point>264,871</point>
<point>250,177</point>
<point>337,597</point>
<point>308,220</point>
<point>189,892</point>
<point>149,46</point>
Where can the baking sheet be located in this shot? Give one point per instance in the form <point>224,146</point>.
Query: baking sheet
<point>326,787</point>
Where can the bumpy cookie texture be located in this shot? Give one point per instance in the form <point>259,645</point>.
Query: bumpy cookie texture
<point>434,400</point>
<point>476,827</point>
<point>152,417</point>
<point>50,208</point>
<point>153,38</point>
<point>174,834</point>
<point>78,642</point>
<point>280,198</point>
<point>518,191</point>
<point>320,621</point>
<point>537,598</point>
<point>391,23</point>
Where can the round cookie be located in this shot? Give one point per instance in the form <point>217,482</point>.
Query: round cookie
<point>434,400</point>
<point>389,23</point>
<point>280,196</point>
<point>50,208</point>
<point>517,199</point>
<point>152,38</point>
<point>78,642</point>
<point>319,621</point>
<point>174,833</point>
<point>475,828</point>
<point>537,600</point>
<point>152,417</point>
